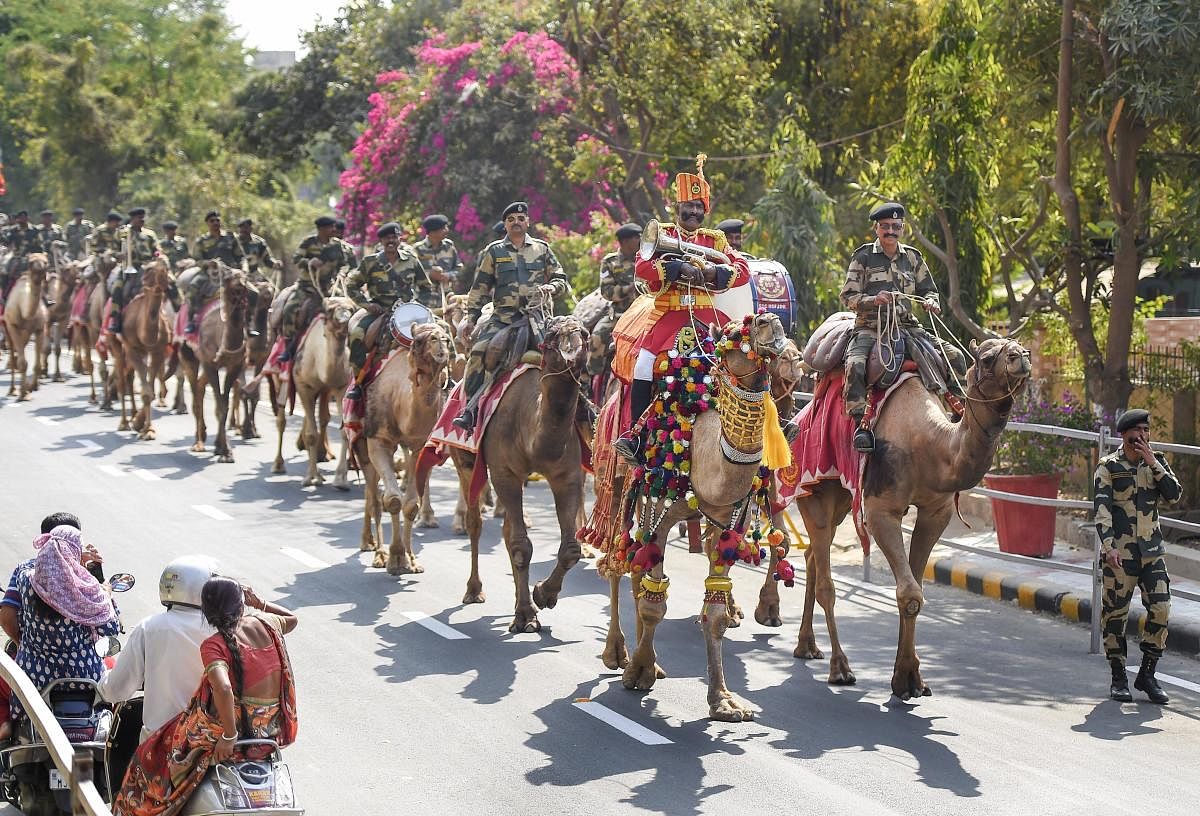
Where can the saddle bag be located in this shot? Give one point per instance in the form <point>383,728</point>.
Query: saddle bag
<point>826,349</point>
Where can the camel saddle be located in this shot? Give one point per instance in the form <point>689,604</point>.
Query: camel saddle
<point>506,348</point>
<point>826,349</point>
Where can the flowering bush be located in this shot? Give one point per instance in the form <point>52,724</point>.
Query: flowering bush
<point>1023,453</point>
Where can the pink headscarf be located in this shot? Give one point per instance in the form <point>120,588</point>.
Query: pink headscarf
<point>64,583</point>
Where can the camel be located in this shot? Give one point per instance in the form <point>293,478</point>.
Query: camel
<point>921,460</point>
<point>87,332</point>
<point>63,279</point>
<point>142,347</point>
<point>403,404</point>
<point>222,345</point>
<point>25,320</point>
<point>258,349</point>
<point>720,486</point>
<point>320,372</point>
<point>532,430</point>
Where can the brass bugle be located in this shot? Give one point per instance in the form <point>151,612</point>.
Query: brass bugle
<point>655,241</point>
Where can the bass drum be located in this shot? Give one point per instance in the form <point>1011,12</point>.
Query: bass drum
<point>404,317</point>
<point>770,288</point>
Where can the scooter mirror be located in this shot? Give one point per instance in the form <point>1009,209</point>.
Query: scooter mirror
<point>121,582</point>
<point>108,646</point>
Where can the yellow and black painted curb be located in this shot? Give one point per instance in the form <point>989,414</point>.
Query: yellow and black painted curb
<point>1037,596</point>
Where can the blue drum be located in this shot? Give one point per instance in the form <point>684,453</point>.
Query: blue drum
<point>773,290</point>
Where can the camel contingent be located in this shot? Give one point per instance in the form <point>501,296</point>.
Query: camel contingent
<point>672,385</point>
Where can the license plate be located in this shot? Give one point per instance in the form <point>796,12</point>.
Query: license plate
<point>57,782</point>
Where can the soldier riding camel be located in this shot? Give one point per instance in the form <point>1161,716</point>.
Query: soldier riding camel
<point>219,244</point>
<point>306,299</point>
<point>618,286</point>
<point>137,246</point>
<point>440,258</point>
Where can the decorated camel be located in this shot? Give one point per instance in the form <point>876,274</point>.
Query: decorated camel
<point>403,403</point>
<point>921,460</point>
<point>320,372</point>
<point>221,346</point>
<point>725,485</point>
<point>25,320</point>
<point>142,348</point>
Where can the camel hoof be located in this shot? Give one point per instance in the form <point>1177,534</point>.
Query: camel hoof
<point>367,545</point>
<point>197,448</point>
<point>58,378</point>
<point>543,597</point>
<point>182,409</point>
<point>731,709</point>
<point>275,468</point>
<point>92,400</point>
<point>430,523</point>
<point>311,481</point>
<point>124,426</point>
<point>342,485</point>
<point>396,566</point>
<point>380,560</point>
<point>615,656</point>
<point>638,677</point>
<point>907,688</point>
<point>225,458</point>
<point>768,615</point>
<point>147,434</point>
<point>807,649</point>
<point>474,597</point>
<point>138,423</point>
<point>839,672</point>
<point>458,528</point>
<point>524,625</point>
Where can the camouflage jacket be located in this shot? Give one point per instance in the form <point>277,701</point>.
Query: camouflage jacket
<point>444,255</point>
<point>508,276</point>
<point>1127,495</point>
<point>335,256</point>
<point>176,249</point>
<point>21,240</point>
<point>103,239</point>
<point>384,281</point>
<point>617,282</point>
<point>871,271</point>
<point>225,247</point>
<point>77,237</point>
<point>47,236</point>
<point>258,257</point>
<point>144,246</point>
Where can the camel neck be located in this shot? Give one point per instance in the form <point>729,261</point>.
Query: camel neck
<point>975,438</point>
<point>556,412</point>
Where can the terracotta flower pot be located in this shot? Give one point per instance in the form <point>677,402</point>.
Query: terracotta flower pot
<point>1025,529</point>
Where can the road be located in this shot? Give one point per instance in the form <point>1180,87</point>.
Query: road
<point>449,714</point>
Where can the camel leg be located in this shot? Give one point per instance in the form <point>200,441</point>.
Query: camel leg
<point>568,498</point>
<point>412,506</point>
<point>56,350</point>
<point>397,559</point>
<point>221,395</point>
<point>371,500</point>
<point>650,609</point>
<point>280,426</point>
<point>884,526</point>
<point>326,449</point>
<point>615,655</point>
<point>459,525</point>
<point>197,388</point>
<point>341,473</point>
<point>510,491</point>
<point>473,527</point>
<point>250,397</point>
<point>312,435</point>
<point>39,337</point>
<point>124,385</point>
<point>179,406</point>
<point>146,372</point>
<point>723,704</point>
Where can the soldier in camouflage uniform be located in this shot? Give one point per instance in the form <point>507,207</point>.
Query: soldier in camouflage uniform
<point>394,274</point>
<point>106,238</point>
<point>440,258</point>
<point>77,232</point>
<point>48,232</point>
<point>510,272</point>
<point>138,246</point>
<point>877,272</point>
<point>217,244</point>
<point>1129,483</point>
<point>261,266</point>
<point>21,238</point>
<point>618,287</point>
<point>305,300</point>
<point>173,246</point>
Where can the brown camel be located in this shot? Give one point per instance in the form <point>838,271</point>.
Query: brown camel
<point>60,288</point>
<point>25,320</point>
<point>85,334</point>
<point>921,460</point>
<point>257,350</point>
<point>222,345</point>
<point>719,485</point>
<point>533,430</point>
<point>142,348</point>
<point>403,404</point>
<point>321,372</point>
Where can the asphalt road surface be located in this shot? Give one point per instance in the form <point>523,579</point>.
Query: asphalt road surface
<point>411,702</point>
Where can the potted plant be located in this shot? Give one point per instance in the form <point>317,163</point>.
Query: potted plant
<point>1032,464</point>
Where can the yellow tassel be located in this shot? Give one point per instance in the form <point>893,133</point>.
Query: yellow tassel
<point>776,451</point>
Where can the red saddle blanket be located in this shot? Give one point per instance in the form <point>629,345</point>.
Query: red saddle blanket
<point>79,304</point>
<point>354,410</point>
<point>824,447</point>
<point>181,321</point>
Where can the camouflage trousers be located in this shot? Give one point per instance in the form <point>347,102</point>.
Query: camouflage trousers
<point>125,288</point>
<point>600,348</point>
<point>855,388</point>
<point>1150,575</point>
<point>301,306</point>
<point>475,374</point>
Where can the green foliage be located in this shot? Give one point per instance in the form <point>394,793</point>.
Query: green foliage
<point>1023,453</point>
<point>580,253</point>
<point>1056,339</point>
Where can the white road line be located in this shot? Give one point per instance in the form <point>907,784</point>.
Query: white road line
<point>113,470</point>
<point>212,512</point>
<point>47,420</point>
<point>622,723</point>
<point>88,445</point>
<point>147,476</point>
<point>1167,678</point>
<point>303,557</point>
<point>435,626</point>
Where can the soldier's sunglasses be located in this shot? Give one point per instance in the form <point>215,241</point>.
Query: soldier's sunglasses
<point>891,227</point>
<point>515,218</point>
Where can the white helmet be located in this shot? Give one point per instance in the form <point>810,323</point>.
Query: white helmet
<point>183,579</point>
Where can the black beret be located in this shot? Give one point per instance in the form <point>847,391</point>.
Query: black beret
<point>25,213</point>
<point>515,207</point>
<point>113,215</point>
<point>433,223</point>
<point>731,225</point>
<point>246,222</point>
<point>890,209</point>
<point>390,228</point>
<point>211,214</point>
<point>77,211</point>
<point>1131,418</point>
<point>498,228</point>
<point>325,221</point>
<point>170,225</point>
<point>48,212</point>
<point>628,231</point>
<point>137,211</point>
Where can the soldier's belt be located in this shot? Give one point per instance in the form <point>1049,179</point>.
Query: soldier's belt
<point>670,301</point>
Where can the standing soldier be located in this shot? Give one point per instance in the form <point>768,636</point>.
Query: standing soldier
<point>48,233</point>
<point>393,274</point>
<point>1129,483</point>
<point>107,237</point>
<point>173,246</point>
<point>511,271</point>
<point>618,285</point>
<point>261,266</point>
<point>440,258</point>
<point>335,255</point>
<point>216,244</point>
<point>77,232</point>
<point>138,246</point>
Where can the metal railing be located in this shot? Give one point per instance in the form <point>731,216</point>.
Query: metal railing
<point>74,766</point>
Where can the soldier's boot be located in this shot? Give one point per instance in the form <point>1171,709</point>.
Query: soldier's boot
<point>473,387</point>
<point>289,350</point>
<point>195,304</point>
<point>358,363</point>
<point>791,429</point>
<point>1119,690</point>
<point>173,295</point>
<point>1147,682</point>
<point>629,444</point>
<point>864,440</point>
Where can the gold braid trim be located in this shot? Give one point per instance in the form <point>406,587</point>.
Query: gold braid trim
<point>742,416</point>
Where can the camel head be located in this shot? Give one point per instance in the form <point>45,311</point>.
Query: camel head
<point>762,339</point>
<point>788,367</point>
<point>565,345</point>
<point>1001,372</point>
<point>431,348</point>
<point>338,311</point>
<point>38,266</point>
<point>155,276</point>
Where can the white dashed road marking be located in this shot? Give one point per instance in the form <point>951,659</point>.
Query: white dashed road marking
<point>147,476</point>
<point>622,723</point>
<point>435,626</point>
<point>303,557</point>
<point>88,445</point>
<point>212,512</point>
<point>47,420</point>
<point>113,470</point>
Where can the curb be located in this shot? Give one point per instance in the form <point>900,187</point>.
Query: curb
<point>1038,596</point>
